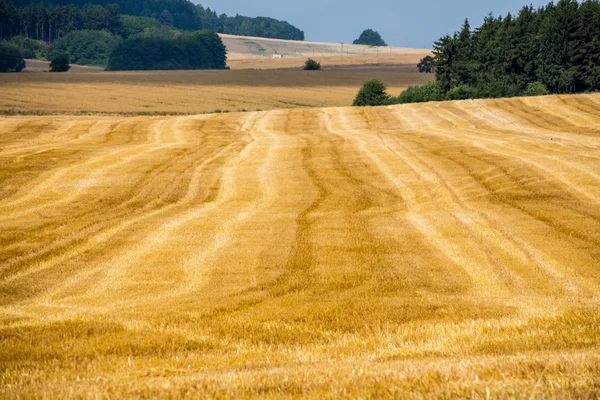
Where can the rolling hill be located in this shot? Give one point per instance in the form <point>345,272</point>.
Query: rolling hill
<point>244,47</point>
<point>193,92</point>
<point>434,250</point>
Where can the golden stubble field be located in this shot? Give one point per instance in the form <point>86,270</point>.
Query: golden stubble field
<point>250,85</point>
<point>422,251</point>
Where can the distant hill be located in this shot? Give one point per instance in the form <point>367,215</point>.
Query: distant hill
<point>246,26</point>
<point>182,14</point>
<point>243,47</point>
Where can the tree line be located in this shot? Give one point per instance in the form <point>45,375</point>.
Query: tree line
<point>557,46</point>
<point>191,50</point>
<point>553,49</point>
<point>179,13</point>
<point>101,36</point>
<point>48,23</point>
<point>245,26</point>
<point>85,47</point>
<point>48,20</point>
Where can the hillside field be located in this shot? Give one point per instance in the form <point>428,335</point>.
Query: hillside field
<point>194,92</point>
<point>399,62</point>
<point>247,47</point>
<point>421,251</point>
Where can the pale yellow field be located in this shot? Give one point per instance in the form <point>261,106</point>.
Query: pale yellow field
<point>248,47</point>
<point>403,62</point>
<point>194,92</point>
<point>422,251</point>
<point>380,63</point>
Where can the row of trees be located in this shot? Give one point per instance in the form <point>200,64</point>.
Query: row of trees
<point>179,13</point>
<point>557,45</point>
<point>50,23</point>
<point>374,93</point>
<point>552,49</point>
<point>245,26</point>
<point>85,47</point>
<point>154,48</point>
<point>48,20</point>
<point>193,50</point>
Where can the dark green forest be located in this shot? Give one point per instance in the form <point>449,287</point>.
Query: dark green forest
<point>50,23</point>
<point>557,45</point>
<point>89,30</point>
<point>245,26</point>
<point>179,13</point>
<point>48,20</point>
<point>85,47</point>
<point>194,50</point>
<point>101,36</point>
<point>552,49</point>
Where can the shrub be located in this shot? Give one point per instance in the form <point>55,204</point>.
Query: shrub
<point>11,59</point>
<point>312,65</point>
<point>60,63</point>
<point>420,94</point>
<point>462,92</point>
<point>370,37</point>
<point>373,93</point>
<point>498,89</point>
<point>536,89</point>
<point>426,65</point>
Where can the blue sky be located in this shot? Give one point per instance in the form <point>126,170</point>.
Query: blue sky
<point>415,23</point>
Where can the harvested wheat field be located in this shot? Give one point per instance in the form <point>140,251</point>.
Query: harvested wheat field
<point>435,250</point>
<point>193,92</point>
<point>374,63</point>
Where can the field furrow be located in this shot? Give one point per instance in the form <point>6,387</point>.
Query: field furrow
<point>449,248</point>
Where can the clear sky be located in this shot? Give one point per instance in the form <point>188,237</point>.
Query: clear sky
<point>414,23</point>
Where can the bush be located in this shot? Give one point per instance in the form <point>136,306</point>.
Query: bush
<point>85,47</point>
<point>462,92</point>
<point>60,63</point>
<point>370,37</point>
<point>373,93</point>
<point>426,65</point>
<point>312,65</point>
<point>11,59</point>
<point>498,89</point>
<point>420,94</point>
<point>536,89</point>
